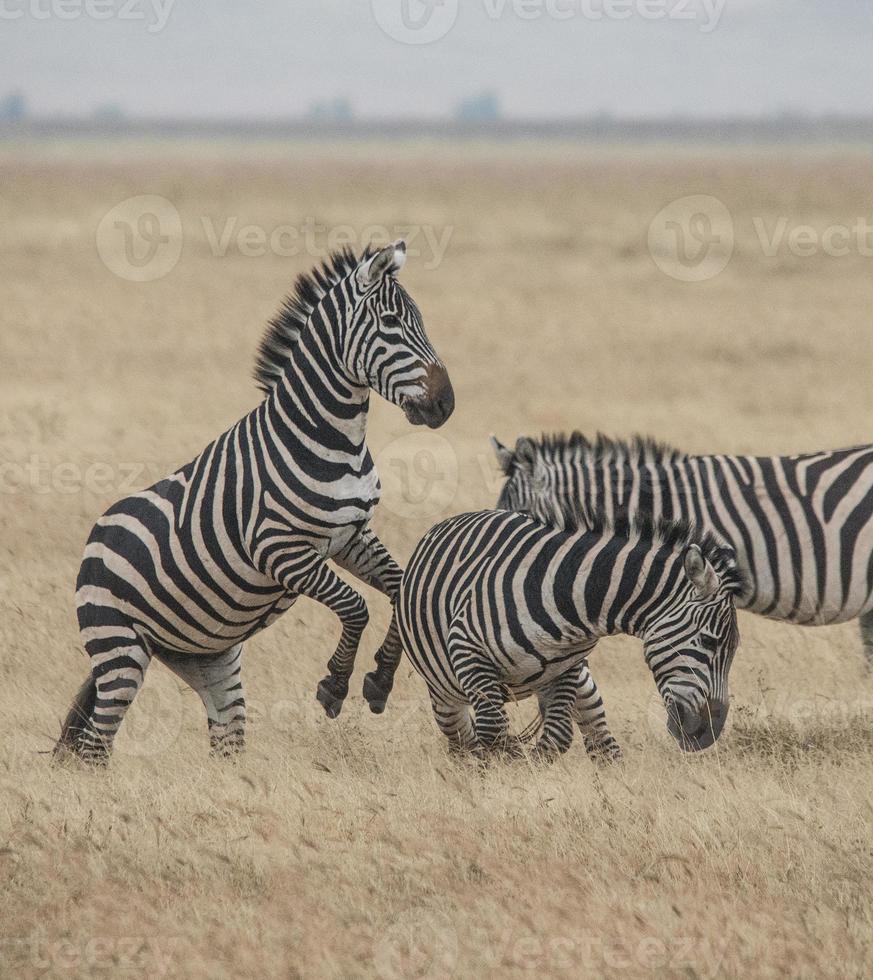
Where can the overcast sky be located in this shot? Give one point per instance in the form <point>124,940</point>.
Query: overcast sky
<point>269,58</point>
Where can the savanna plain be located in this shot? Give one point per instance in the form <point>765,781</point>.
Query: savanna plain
<point>358,847</point>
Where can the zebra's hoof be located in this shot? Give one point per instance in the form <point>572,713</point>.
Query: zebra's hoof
<point>604,754</point>
<point>74,755</point>
<point>375,694</point>
<point>331,693</point>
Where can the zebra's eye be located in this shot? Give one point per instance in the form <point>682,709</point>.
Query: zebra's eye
<point>709,643</point>
<point>391,321</point>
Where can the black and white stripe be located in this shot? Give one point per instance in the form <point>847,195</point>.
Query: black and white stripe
<point>496,605</point>
<point>190,568</point>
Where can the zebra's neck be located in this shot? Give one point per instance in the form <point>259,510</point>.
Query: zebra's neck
<point>317,405</point>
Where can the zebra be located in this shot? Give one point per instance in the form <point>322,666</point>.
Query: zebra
<point>190,568</point>
<point>801,526</point>
<point>497,605</point>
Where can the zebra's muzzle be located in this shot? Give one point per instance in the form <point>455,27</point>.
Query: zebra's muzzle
<point>436,404</point>
<point>695,730</point>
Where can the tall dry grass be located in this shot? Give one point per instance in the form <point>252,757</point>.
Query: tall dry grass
<point>358,847</point>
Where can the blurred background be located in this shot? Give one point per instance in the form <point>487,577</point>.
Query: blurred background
<point>778,66</point>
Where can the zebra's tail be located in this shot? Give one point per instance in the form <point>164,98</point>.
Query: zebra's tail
<point>76,721</point>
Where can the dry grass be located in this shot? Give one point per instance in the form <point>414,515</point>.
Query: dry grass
<point>357,847</point>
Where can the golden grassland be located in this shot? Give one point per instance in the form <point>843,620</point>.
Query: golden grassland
<point>358,847</point>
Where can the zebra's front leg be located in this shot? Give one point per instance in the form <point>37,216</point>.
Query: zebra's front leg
<point>308,574</point>
<point>590,716</point>
<point>557,701</point>
<point>369,560</point>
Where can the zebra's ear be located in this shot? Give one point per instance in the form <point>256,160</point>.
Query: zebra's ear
<point>702,575</point>
<point>505,457</point>
<point>387,261</point>
<point>525,453</point>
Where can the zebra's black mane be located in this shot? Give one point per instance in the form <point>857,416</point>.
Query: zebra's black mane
<point>605,447</point>
<point>675,534</point>
<point>284,330</point>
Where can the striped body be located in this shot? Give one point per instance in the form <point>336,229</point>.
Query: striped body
<point>196,559</point>
<point>190,568</point>
<point>497,606</point>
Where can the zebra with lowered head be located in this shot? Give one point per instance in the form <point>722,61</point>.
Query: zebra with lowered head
<point>801,526</point>
<point>496,605</point>
<point>190,568</point>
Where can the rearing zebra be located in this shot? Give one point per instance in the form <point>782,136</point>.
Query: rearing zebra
<point>497,605</point>
<point>801,526</point>
<point>190,568</point>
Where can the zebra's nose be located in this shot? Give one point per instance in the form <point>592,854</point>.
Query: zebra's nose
<point>444,403</point>
<point>439,401</point>
<point>695,730</point>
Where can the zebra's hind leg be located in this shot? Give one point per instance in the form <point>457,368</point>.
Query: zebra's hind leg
<point>119,661</point>
<point>218,682</point>
<point>477,677</point>
<point>866,624</point>
<point>590,716</point>
<point>557,701</point>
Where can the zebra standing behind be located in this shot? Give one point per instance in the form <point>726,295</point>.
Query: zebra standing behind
<point>496,605</point>
<point>190,568</point>
<point>801,526</point>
